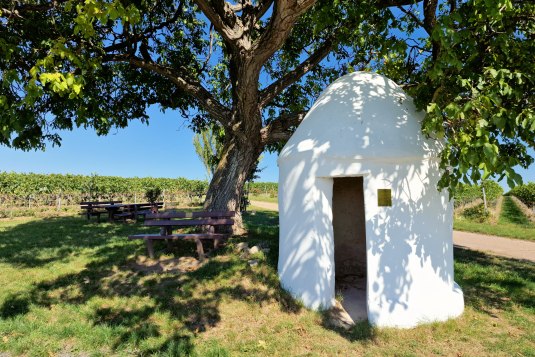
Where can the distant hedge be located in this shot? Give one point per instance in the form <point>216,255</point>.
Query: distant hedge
<point>25,184</point>
<point>16,187</point>
<point>525,193</point>
<point>266,188</point>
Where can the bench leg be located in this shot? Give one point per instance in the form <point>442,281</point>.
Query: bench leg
<point>168,242</point>
<point>150,248</point>
<point>217,242</point>
<point>200,249</point>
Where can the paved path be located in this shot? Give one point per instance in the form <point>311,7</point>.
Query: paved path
<point>506,247</point>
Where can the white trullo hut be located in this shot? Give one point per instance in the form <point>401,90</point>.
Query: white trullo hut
<point>360,212</point>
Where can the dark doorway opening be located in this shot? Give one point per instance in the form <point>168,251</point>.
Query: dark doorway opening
<point>350,245</point>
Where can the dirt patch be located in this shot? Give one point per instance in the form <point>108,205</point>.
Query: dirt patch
<point>175,265</point>
<point>266,205</point>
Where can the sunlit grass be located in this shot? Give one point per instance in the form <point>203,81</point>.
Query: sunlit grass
<point>264,198</point>
<point>512,223</point>
<point>68,287</point>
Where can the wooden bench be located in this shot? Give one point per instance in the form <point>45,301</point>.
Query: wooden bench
<point>168,221</point>
<point>96,208</point>
<point>146,208</point>
<point>135,210</point>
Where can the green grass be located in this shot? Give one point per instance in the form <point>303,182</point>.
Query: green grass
<point>264,198</point>
<point>511,214</point>
<point>70,287</point>
<point>512,223</point>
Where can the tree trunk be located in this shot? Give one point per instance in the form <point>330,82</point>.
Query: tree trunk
<point>226,187</point>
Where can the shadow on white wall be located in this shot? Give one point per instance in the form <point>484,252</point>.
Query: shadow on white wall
<point>364,125</point>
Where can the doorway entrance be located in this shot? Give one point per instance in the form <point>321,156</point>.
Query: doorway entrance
<point>349,226</point>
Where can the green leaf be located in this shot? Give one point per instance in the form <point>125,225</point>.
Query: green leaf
<point>77,88</point>
<point>489,150</point>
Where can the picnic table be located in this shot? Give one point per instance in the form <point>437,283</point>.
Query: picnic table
<point>96,208</point>
<point>117,209</point>
<point>170,221</point>
<point>135,210</point>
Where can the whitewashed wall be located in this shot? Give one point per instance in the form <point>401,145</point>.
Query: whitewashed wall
<point>364,125</point>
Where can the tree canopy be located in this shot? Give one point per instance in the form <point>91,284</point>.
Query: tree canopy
<point>253,67</point>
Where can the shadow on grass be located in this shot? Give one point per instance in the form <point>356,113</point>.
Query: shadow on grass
<point>192,300</point>
<point>494,283</point>
<point>361,331</point>
<point>13,306</point>
<point>40,242</point>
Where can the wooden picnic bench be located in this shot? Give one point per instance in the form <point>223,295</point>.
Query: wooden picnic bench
<point>135,210</point>
<point>96,208</point>
<point>169,221</point>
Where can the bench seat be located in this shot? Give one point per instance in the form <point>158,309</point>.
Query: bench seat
<point>123,215</point>
<point>168,221</point>
<point>186,236</point>
<point>93,213</point>
<point>197,237</point>
<point>191,222</point>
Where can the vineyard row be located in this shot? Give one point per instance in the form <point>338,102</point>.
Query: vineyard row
<point>27,189</point>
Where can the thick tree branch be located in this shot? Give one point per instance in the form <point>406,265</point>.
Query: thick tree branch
<point>262,7</point>
<point>279,129</point>
<point>223,19</point>
<point>274,89</point>
<point>430,19</point>
<point>393,3</point>
<point>241,6</point>
<point>285,13</point>
<point>192,87</point>
<point>236,7</point>
<point>430,15</point>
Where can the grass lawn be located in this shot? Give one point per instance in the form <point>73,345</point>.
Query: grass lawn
<point>72,287</point>
<point>264,198</point>
<point>512,223</point>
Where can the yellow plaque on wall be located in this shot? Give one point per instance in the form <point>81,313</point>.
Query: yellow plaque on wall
<point>384,197</point>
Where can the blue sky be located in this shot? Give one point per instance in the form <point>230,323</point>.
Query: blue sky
<point>162,149</point>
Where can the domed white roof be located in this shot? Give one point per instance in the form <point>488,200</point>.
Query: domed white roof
<point>362,115</point>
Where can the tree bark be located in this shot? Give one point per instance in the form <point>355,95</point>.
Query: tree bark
<point>238,159</point>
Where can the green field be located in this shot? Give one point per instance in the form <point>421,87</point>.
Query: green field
<point>512,223</point>
<point>72,287</point>
<point>264,198</point>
